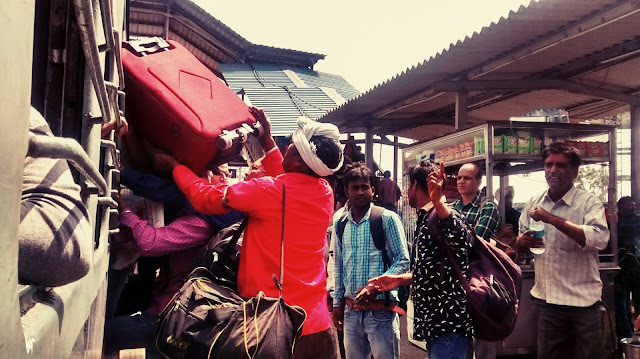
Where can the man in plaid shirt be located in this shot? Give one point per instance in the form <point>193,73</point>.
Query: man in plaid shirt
<point>484,218</point>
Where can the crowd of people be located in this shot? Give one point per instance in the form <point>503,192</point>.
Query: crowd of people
<point>357,314</point>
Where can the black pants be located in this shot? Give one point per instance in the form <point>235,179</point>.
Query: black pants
<point>570,332</point>
<point>321,345</point>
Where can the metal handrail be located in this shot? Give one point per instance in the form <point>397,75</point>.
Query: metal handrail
<point>116,35</point>
<point>84,17</point>
<point>70,150</point>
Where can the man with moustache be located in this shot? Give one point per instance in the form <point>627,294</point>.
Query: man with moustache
<point>567,287</point>
<point>315,153</point>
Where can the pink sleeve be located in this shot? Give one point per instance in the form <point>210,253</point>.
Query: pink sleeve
<point>183,233</point>
<point>272,163</point>
<point>204,197</point>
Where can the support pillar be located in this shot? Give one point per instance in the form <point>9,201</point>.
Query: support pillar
<point>504,183</point>
<point>462,101</point>
<point>635,152</point>
<point>368,148</point>
<point>395,159</point>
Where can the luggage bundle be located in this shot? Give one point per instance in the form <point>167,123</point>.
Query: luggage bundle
<point>179,105</point>
<point>207,319</point>
<point>221,256</point>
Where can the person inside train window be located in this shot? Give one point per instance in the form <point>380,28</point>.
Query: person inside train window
<point>180,241</point>
<point>55,234</point>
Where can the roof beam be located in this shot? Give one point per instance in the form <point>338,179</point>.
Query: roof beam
<point>192,26</point>
<point>404,122</point>
<point>616,12</point>
<point>594,62</point>
<point>532,85</point>
<point>382,140</point>
<point>617,54</point>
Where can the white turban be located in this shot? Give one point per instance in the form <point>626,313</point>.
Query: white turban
<point>308,128</point>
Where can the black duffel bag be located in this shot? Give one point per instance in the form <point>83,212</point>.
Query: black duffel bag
<point>206,319</point>
<point>222,254</point>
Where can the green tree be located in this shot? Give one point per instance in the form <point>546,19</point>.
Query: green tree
<point>595,179</point>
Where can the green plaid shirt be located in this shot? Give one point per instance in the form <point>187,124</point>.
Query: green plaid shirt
<point>485,220</point>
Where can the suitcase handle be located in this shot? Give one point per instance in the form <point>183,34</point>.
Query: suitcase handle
<point>240,134</point>
<point>144,47</point>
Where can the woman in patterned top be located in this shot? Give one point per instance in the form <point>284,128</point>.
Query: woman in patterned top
<point>441,317</point>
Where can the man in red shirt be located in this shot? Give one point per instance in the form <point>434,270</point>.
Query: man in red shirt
<point>314,154</point>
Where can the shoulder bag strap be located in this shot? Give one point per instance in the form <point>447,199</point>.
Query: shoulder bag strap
<point>234,240</point>
<point>379,240</point>
<point>342,223</point>
<point>275,279</point>
<point>449,254</point>
<point>432,225</point>
<point>377,233</point>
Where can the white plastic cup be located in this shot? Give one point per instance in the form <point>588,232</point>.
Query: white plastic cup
<point>538,228</point>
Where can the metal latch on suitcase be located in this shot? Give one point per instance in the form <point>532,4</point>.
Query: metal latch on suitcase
<point>227,138</point>
<point>148,46</point>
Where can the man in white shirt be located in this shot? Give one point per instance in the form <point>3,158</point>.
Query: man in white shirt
<point>567,285</point>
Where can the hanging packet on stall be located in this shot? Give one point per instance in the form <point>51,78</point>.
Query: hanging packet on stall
<point>510,144</point>
<point>498,145</point>
<point>605,148</point>
<point>582,147</point>
<point>448,155</point>
<point>524,145</point>
<point>536,145</point>
<point>478,146</point>
<point>468,149</point>
<point>594,149</point>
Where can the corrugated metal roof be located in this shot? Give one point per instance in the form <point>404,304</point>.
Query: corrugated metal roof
<point>195,26</point>
<point>269,88</point>
<point>323,79</point>
<point>582,41</point>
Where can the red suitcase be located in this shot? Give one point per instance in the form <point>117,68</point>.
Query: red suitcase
<point>178,104</point>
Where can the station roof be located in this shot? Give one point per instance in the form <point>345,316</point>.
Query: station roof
<point>211,41</point>
<point>579,55</point>
<point>287,92</point>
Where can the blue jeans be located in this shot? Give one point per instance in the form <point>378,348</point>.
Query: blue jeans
<point>449,346</point>
<point>370,332</point>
